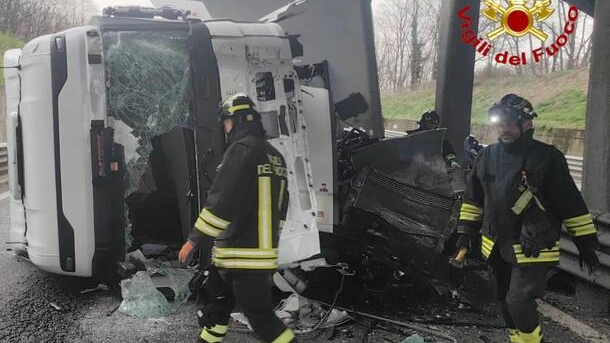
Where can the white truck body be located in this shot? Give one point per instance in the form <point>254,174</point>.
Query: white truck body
<point>58,105</point>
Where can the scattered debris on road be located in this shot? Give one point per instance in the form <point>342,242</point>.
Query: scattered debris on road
<point>99,287</point>
<point>56,307</point>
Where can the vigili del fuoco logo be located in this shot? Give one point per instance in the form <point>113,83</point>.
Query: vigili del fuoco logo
<point>517,18</point>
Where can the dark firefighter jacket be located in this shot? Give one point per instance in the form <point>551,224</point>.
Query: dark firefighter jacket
<point>493,189</point>
<point>247,203</point>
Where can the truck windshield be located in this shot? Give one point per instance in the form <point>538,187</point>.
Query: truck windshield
<point>148,87</point>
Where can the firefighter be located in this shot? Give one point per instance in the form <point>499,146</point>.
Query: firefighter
<point>242,218</point>
<point>519,194</point>
<point>472,147</point>
<point>430,120</point>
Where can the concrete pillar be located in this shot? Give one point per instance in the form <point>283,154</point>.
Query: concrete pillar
<point>456,72</point>
<point>596,178</point>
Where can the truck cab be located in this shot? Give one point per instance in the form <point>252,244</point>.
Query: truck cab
<point>114,138</point>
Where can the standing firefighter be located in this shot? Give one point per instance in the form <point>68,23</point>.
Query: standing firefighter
<point>519,194</point>
<point>242,218</point>
<point>430,120</point>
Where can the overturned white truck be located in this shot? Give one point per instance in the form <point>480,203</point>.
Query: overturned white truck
<point>113,142</point>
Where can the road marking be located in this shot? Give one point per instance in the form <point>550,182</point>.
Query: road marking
<point>579,328</point>
<point>5,195</point>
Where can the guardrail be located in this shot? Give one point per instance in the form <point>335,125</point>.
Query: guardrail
<point>575,163</point>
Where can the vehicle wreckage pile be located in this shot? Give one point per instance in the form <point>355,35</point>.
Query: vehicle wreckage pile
<point>399,210</point>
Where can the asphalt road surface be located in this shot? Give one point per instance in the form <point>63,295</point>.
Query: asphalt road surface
<point>39,307</point>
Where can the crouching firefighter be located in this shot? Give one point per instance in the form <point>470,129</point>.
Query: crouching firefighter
<point>519,194</point>
<point>241,219</point>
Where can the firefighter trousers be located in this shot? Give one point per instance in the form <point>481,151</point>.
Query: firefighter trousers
<point>517,288</point>
<point>251,292</point>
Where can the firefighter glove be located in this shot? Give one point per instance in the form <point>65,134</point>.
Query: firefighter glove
<point>186,252</point>
<point>464,241</point>
<point>587,245</point>
<point>589,260</point>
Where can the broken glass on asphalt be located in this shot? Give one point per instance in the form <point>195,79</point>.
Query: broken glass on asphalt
<point>141,298</point>
<point>146,294</point>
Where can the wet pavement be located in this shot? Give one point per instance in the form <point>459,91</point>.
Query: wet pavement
<point>27,313</point>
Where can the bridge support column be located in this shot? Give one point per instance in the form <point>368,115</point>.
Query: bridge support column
<point>596,177</point>
<point>456,71</point>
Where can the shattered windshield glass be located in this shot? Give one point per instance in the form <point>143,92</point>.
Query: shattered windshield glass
<point>148,90</point>
<point>148,87</point>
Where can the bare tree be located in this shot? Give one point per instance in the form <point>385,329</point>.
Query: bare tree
<point>417,63</point>
<point>407,42</point>
<point>31,18</point>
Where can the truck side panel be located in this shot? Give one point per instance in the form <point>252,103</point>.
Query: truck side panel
<point>39,155</point>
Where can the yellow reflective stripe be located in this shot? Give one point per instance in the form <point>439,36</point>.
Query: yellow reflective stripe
<point>487,246</point>
<point>470,217</point>
<point>264,213</point>
<point>207,228</point>
<point>578,221</point>
<point>220,329</point>
<point>534,337</point>
<point>208,337</point>
<point>523,201</point>
<point>470,212</point>
<point>472,208</point>
<point>583,231</point>
<point>518,250</point>
<point>580,226</point>
<point>552,256</point>
<point>245,264</point>
<point>285,337</point>
<point>214,219</point>
<point>230,99</point>
<point>244,253</point>
<point>282,189</point>
<point>238,107</point>
<point>514,336</point>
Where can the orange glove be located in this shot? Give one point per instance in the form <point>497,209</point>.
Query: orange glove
<point>185,252</point>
